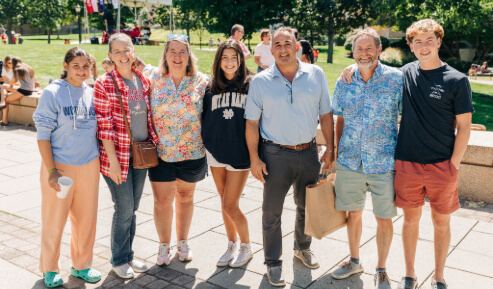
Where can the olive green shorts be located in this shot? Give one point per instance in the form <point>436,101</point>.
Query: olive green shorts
<point>351,187</point>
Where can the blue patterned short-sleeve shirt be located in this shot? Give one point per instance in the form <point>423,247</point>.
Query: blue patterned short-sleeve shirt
<point>371,112</point>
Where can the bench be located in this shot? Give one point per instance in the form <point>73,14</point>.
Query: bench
<point>476,168</point>
<point>490,74</point>
<point>21,111</point>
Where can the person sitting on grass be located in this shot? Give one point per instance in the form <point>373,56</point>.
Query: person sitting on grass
<point>108,65</point>
<point>25,75</point>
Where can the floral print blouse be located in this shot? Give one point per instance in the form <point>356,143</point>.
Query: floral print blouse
<point>176,114</point>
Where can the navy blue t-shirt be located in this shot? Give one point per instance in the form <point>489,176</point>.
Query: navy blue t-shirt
<point>431,99</point>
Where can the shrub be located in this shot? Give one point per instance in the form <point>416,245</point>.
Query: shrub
<point>392,57</point>
<point>462,66</point>
<point>385,42</point>
<point>348,45</point>
<point>340,40</point>
<point>401,44</point>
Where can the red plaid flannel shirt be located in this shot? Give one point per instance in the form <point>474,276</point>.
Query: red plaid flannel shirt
<point>111,125</point>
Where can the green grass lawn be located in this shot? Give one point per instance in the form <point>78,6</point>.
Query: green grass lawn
<point>47,63</point>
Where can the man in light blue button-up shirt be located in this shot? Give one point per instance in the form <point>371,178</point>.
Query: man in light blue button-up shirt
<point>367,112</point>
<point>285,102</point>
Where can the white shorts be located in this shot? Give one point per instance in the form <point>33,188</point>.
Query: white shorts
<point>212,162</point>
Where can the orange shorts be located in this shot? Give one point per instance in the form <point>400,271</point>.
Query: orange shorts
<point>413,182</point>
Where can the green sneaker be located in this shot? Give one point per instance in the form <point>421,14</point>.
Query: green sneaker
<point>346,269</point>
<point>88,275</point>
<point>52,279</point>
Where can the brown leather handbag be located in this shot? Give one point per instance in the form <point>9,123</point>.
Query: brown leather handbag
<point>144,153</point>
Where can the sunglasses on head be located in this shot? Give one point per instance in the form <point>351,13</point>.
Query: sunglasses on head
<point>171,36</point>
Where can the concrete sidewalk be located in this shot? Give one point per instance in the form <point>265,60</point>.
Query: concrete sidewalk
<point>469,266</point>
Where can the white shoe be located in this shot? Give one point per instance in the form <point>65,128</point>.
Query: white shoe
<point>243,257</point>
<point>124,271</point>
<point>229,255</point>
<point>163,255</point>
<point>184,251</point>
<point>138,266</point>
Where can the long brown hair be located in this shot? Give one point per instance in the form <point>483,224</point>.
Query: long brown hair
<point>71,54</point>
<point>219,82</point>
<point>21,69</point>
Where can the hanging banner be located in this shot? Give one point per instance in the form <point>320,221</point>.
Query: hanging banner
<point>95,5</point>
<point>101,5</point>
<point>89,6</point>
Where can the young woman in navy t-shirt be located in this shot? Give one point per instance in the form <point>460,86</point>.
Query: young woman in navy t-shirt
<point>223,133</point>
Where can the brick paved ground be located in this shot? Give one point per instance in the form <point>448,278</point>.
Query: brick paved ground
<point>470,262</point>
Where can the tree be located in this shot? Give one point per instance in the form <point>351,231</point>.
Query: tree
<point>200,32</point>
<point>462,20</point>
<point>314,18</point>
<point>221,15</point>
<point>11,11</point>
<point>46,14</point>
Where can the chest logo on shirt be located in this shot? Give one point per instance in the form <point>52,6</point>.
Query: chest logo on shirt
<point>228,113</point>
<point>228,99</point>
<point>436,91</point>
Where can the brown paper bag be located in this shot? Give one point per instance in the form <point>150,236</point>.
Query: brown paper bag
<point>321,217</point>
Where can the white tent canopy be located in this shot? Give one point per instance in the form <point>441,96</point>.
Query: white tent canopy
<point>144,3</point>
<point>135,4</point>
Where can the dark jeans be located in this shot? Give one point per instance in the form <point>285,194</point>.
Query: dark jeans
<point>259,69</point>
<point>286,168</point>
<point>126,197</point>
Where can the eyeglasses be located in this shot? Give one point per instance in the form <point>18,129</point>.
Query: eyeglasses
<point>171,36</point>
<point>290,91</point>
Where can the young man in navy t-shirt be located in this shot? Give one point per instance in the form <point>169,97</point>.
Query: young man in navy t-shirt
<point>436,100</point>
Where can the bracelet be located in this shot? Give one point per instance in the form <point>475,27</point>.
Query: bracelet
<point>53,169</point>
<point>328,151</point>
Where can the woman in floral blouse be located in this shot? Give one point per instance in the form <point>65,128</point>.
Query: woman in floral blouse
<point>177,90</point>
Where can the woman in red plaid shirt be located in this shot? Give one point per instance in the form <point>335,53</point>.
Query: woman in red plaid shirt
<point>125,183</point>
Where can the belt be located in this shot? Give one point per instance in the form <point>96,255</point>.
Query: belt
<point>298,147</point>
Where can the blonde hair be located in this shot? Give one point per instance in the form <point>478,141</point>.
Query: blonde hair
<point>94,66</point>
<point>192,60</point>
<point>424,26</point>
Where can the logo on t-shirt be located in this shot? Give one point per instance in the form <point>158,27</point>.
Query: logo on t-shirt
<point>228,113</point>
<point>436,91</point>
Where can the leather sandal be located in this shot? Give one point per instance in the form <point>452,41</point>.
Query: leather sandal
<point>52,279</point>
<point>88,275</point>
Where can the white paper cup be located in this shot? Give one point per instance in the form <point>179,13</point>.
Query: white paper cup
<point>65,184</point>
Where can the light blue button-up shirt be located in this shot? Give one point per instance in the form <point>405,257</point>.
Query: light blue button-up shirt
<point>371,112</point>
<point>288,112</point>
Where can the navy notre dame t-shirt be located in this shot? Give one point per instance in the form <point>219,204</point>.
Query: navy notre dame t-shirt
<point>431,99</point>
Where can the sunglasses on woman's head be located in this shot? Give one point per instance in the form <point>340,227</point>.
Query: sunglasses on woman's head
<point>171,36</point>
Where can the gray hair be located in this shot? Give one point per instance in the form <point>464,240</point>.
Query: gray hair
<point>368,32</point>
<point>284,29</point>
<point>119,37</point>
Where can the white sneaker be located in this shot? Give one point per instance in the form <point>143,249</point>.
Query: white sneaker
<point>243,257</point>
<point>184,251</point>
<point>138,266</point>
<point>124,271</point>
<point>163,255</point>
<point>229,255</point>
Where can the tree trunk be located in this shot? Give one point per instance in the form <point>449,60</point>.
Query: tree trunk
<point>331,42</point>
<point>188,30</point>
<point>200,42</point>
<point>9,30</point>
<point>49,36</point>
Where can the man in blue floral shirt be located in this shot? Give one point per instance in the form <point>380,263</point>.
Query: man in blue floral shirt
<point>366,133</point>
